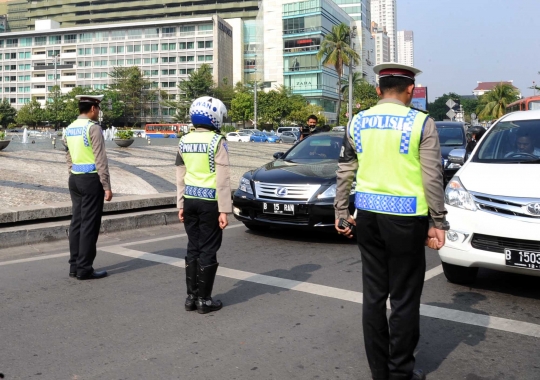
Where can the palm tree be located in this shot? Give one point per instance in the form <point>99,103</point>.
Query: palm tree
<point>493,104</point>
<point>336,51</point>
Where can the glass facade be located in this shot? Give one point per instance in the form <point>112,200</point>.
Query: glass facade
<point>304,26</point>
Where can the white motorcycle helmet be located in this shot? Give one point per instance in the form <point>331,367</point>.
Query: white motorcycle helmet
<point>208,111</point>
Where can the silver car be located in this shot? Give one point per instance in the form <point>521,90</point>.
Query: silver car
<point>289,137</point>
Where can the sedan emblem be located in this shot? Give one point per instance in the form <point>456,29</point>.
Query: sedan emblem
<point>534,209</point>
<point>281,191</point>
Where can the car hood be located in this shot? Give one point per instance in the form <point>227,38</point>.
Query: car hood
<point>511,180</point>
<point>286,172</point>
<point>447,149</point>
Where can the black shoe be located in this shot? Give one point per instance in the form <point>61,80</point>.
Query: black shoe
<point>208,305</point>
<point>205,279</point>
<point>192,267</point>
<point>72,274</point>
<point>93,276</point>
<point>418,374</point>
<point>191,303</point>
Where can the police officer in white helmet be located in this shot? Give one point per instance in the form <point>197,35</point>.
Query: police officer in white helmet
<point>204,199</point>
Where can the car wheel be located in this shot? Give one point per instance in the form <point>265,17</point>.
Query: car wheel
<point>255,227</point>
<point>459,275</point>
<point>280,141</point>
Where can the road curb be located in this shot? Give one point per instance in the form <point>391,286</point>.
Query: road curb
<point>44,232</point>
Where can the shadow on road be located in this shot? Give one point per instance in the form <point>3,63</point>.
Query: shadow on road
<point>508,283</point>
<point>441,338</point>
<point>243,291</point>
<point>128,266</point>
<point>311,236</point>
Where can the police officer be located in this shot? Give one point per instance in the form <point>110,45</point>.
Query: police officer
<point>204,199</point>
<point>89,186</point>
<point>394,152</point>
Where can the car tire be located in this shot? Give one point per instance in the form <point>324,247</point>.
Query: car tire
<point>459,275</point>
<point>255,227</point>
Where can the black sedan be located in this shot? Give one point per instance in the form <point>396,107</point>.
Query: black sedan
<point>296,190</point>
<point>452,135</point>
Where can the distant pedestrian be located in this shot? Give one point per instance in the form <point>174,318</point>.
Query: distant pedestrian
<point>392,153</point>
<point>89,186</point>
<point>204,199</point>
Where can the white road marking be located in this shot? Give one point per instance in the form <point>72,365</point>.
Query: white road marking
<point>502,324</point>
<point>433,273</point>
<point>65,254</point>
<point>34,259</point>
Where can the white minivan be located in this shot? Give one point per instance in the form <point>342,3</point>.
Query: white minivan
<point>493,202</point>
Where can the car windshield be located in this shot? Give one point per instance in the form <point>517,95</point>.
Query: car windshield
<point>324,147</point>
<point>451,136</point>
<point>511,142</point>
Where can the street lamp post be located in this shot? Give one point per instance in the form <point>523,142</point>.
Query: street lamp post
<point>351,75</point>
<point>56,92</point>
<point>255,105</point>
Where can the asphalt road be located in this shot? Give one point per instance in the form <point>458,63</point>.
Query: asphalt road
<point>292,311</point>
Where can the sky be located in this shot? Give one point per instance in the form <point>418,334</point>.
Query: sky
<point>461,42</point>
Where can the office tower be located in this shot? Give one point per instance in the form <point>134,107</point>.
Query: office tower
<point>405,43</point>
<point>384,13</point>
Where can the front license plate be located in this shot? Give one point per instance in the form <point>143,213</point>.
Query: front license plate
<point>522,259</point>
<point>278,208</point>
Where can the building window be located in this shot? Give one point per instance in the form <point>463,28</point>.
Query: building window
<point>53,53</point>
<point>118,35</point>
<point>134,34</point>
<point>24,67</point>
<point>25,42</point>
<point>24,55</point>
<point>200,44</point>
<point>70,38</point>
<point>181,46</point>
<point>151,32</point>
<point>200,58</point>
<point>51,76</point>
<point>100,50</point>
<point>187,29</point>
<point>151,47</point>
<point>151,60</point>
<point>55,40</point>
<point>169,32</point>
<point>205,27</point>
<point>85,37</point>
<point>208,44</point>
<point>168,46</point>
<point>191,45</point>
<point>183,71</point>
<point>134,48</point>
<point>208,58</point>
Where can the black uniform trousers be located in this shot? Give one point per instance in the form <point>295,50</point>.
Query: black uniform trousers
<point>393,264</point>
<point>202,227</point>
<point>87,197</point>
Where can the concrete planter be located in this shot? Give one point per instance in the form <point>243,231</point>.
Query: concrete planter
<point>123,143</point>
<point>4,144</point>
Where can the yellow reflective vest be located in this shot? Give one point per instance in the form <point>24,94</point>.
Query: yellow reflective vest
<point>80,147</point>
<point>198,151</point>
<point>387,143</point>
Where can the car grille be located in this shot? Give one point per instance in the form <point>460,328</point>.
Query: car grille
<point>498,244</point>
<point>283,218</point>
<point>511,207</point>
<point>268,191</point>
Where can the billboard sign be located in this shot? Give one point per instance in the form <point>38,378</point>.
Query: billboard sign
<point>420,98</point>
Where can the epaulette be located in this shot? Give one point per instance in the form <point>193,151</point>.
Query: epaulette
<point>420,110</point>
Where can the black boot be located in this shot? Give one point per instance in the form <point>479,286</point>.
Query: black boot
<point>192,267</point>
<point>205,303</point>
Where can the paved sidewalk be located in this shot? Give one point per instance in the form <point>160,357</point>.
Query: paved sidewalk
<point>36,174</point>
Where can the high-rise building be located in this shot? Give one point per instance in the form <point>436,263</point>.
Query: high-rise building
<point>405,43</point>
<point>73,13</point>
<point>382,43</point>
<point>359,10</point>
<point>384,13</point>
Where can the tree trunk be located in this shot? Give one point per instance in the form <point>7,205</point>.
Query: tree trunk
<point>339,101</point>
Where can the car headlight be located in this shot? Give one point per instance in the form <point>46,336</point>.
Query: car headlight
<point>328,193</point>
<point>456,195</point>
<point>245,185</point>
<point>331,191</point>
<point>454,166</point>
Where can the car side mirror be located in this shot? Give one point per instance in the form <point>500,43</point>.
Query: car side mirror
<point>278,155</point>
<point>457,156</point>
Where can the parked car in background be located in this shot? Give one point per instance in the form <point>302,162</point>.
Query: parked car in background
<point>493,202</point>
<point>258,137</point>
<point>280,130</point>
<point>452,135</point>
<point>248,131</point>
<point>339,128</point>
<point>296,190</point>
<point>237,136</point>
<point>273,139</point>
<point>290,137</point>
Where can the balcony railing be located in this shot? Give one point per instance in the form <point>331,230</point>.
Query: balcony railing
<point>301,49</point>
